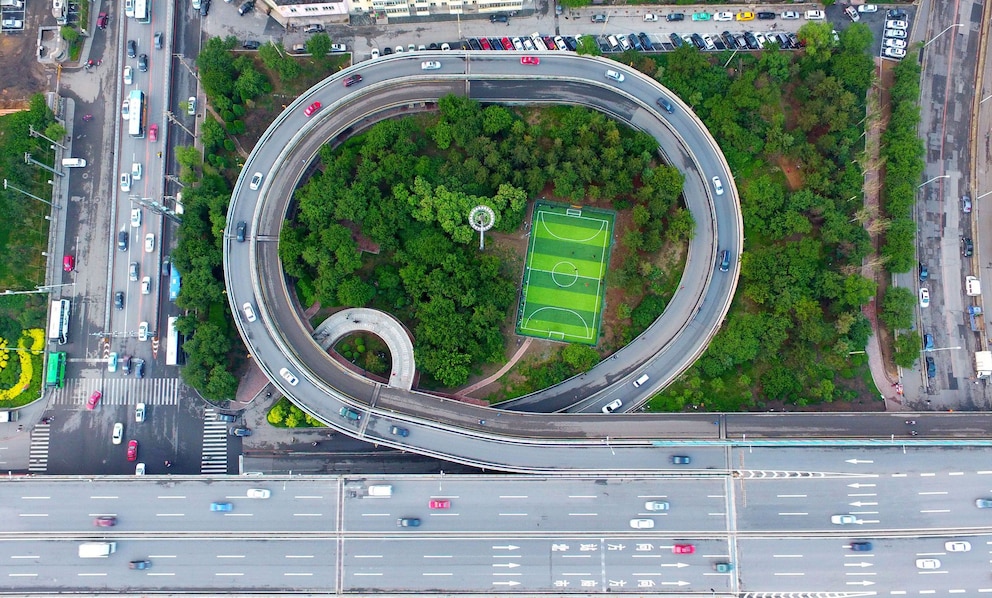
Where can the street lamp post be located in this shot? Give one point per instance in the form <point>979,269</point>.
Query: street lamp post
<point>942,176</point>
<point>942,33</point>
<point>7,185</point>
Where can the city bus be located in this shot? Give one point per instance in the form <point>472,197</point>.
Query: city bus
<point>58,321</point>
<point>175,283</point>
<point>56,369</point>
<point>137,113</point>
<point>143,11</point>
<point>172,343</point>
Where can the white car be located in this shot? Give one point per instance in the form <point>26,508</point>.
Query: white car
<point>815,15</point>
<point>191,106</point>
<point>375,53</point>
<point>615,75</point>
<point>256,180</point>
<point>642,523</point>
<point>924,297</point>
<point>125,109</point>
<point>128,75</point>
<point>13,24</point>
<point>112,362</point>
<point>723,16</point>
<point>339,48</point>
<point>445,47</point>
<point>656,505</point>
<point>852,14</point>
<point>135,171</point>
<point>868,8</point>
<point>249,312</point>
<point>896,25</point>
<point>895,33</point>
<point>143,331</point>
<point>149,242</point>
<point>135,217</point>
<point>894,43</point>
<point>125,182</point>
<point>650,18</point>
<point>958,546</point>
<point>146,285</point>
<point>843,519</point>
<point>717,185</point>
<point>928,563</point>
<point>289,377</point>
<point>612,406</point>
<point>258,493</point>
<point>430,65</point>
<point>118,433</point>
<point>139,412</point>
<point>893,52</point>
<point>790,15</point>
<point>762,40</point>
<point>139,469</point>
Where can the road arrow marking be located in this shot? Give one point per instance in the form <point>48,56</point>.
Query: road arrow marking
<point>506,583</point>
<point>861,583</point>
<point>677,565</point>
<point>507,565</point>
<point>863,504</point>
<point>857,461</point>
<point>860,485</point>
<point>858,565</point>
<point>675,583</point>
<point>507,547</point>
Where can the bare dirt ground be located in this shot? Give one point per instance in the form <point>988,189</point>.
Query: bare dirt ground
<point>23,76</point>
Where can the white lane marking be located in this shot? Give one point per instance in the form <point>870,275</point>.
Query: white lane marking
<point>956,473</point>
<point>852,494</point>
<point>229,574</point>
<point>308,514</point>
<point>583,514</point>
<point>504,556</point>
<point>513,496</point>
<point>22,575</point>
<point>935,511</point>
<point>928,475</point>
<point>652,574</point>
<point>161,556</point>
<point>513,514</point>
<point>36,498</point>
<point>375,514</point>
<point>161,574</point>
<point>790,574</point>
<point>792,495</point>
<point>91,574</point>
<point>578,574</point>
<point>575,556</point>
<point>367,556</point>
<point>797,513</point>
<point>104,497</point>
<point>367,574</point>
<point>25,556</point>
<point>297,574</point>
<point>717,514</point>
<point>437,574</point>
<point>444,514</point>
<point>931,573</point>
<point>299,556</point>
<point>170,497</point>
<point>581,496</point>
<point>170,514</point>
<point>33,514</point>
<point>230,556</point>
<point>239,514</point>
<point>647,556</point>
<point>984,471</point>
<point>937,492</point>
<point>447,556</point>
<point>309,496</point>
<point>900,475</point>
<point>787,556</point>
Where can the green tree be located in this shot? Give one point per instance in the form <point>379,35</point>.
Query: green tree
<point>69,34</point>
<point>355,292</point>
<point>319,46</point>
<point>898,308</point>
<point>907,348</point>
<point>581,358</point>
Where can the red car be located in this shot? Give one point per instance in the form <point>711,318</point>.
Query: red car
<point>94,399</point>
<point>485,43</point>
<point>440,504</point>
<point>153,133</point>
<point>352,80</point>
<point>530,60</point>
<point>106,521</point>
<point>68,263</point>
<point>683,549</point>
<point>132,452</point>
<point>507,44</point>
<point>312,108</point>
<point>102,20</point>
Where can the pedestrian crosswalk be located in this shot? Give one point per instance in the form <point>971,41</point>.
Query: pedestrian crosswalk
<point>214,460</point>
<point>38,453</point>
<point>118,391</point>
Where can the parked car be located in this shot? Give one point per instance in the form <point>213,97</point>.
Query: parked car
<point>969,247</point>
<point>931,368</point>
<point>240,432</point>
<point>102,20</point>
<point>897,53</point>
<point>132,450</point>
<point>924,297</point>
<point>68,263</point>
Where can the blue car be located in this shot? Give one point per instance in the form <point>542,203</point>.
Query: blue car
<point>861,546</point>
<point>928,342</point>
<point>681,459</point>
<point>222,507</point>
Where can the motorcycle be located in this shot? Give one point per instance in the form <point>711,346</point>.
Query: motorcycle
<point>87,117</point>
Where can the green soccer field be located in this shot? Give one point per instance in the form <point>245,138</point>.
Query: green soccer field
<point>564,284</point>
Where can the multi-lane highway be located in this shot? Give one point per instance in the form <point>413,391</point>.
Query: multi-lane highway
<point>768,518</point>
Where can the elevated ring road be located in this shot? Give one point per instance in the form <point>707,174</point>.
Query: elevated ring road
<point>279,339</point>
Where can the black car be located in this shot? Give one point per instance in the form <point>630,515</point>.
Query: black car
<point>572,44</point>
<point>398,431</point>
<point>728,38</point>
<point>896,14</point>
<point>119,299</point>
<point>752,42</point>
<point>158,40</point>
<point>698,41</point>
<point>132,48</point>
<point>251,44</point>
<point>636,43</point>
<point>766,16</point>
<point>931,368</point>
<point>204,7</point>
<point>140,565</point>
<point>122,240</point>
<point>356,78</point>
<point>227,417</point>
<point>675,16</point>
<point>143,63</point>
<point>242,229</point>
<point>139,368</point>
<point>794,40</point>
<point>924,273</point>
<point>645,42</point>
<point>387,51</point>
<point>495,44</point>
<point>666,105</point>
<point>246,7</point>
<point>434,46</point>
<point>969,247</point>
<point>677,40</point>
<point>499,18</point>
<point>784,42</point>
<point>474,43</point>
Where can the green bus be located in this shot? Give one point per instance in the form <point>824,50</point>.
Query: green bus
<point>56,370</point>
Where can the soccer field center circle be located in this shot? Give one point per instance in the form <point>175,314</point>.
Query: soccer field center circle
<point>563,270</point>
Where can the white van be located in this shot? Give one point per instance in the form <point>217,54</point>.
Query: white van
<point>382,491</point>
<point>73,163</point>
<point>644,378</point>
<point>12,3</point>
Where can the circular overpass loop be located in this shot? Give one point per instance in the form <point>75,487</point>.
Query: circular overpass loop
<point>280,339</point>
